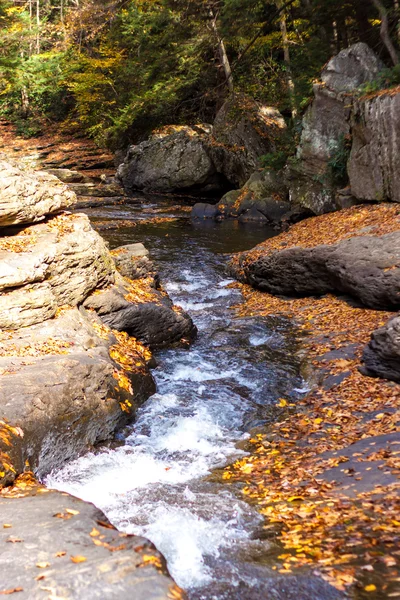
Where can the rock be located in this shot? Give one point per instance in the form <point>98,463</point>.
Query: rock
<point>54,263</point>
<point>308,191</point>
<point>201,210</point>
<point>381,356</point>
<point>265,191</point>
<point>327,129</point>
<point>61,392</point>
<point>178,161</point>
<point>27,197</point>
<point>252,215</point>
<point>133,261</point>
<point>100,190</point>
<point>352,67</point>
<point>366,267</point>
<point>69,176</point>
<point>243,131</point>
<point>374,164</point>
<point>76,554</point>
<point>148,315</point>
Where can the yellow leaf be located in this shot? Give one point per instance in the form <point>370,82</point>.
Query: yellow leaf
<point>282,402</point>
<point>71,511</point>
<point>94,532</point>
<point>42,565</point>
<point>370,588</point>
<point>78,559</point>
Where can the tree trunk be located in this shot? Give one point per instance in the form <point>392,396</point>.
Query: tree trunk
<point>24,103</point>
<point>222,53</point>
<point>286,56</point>
<point>385,34</point>
<point>396,8</point>
<point>38,26</point>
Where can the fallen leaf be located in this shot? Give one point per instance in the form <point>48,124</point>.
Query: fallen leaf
<point>78,559</point>
<point>42,565</point>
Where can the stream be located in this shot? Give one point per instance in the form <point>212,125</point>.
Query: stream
<point>163,480</point>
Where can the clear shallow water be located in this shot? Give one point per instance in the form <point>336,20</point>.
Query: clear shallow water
<point>157,483</point>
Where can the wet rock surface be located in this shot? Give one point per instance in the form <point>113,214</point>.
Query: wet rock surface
<point>61,392</point>
<point>152,318</point>
<point>56,546</point>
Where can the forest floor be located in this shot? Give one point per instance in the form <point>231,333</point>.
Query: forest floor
<point>56,149</point>
<point>326,475</point>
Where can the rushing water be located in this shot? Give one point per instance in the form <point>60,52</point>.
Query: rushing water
<point>157,483</point>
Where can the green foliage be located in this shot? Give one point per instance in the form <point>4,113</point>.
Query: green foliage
<point>120,68</point>
<point>387,78</point>
<point>274,160</point>
<point>338,160</point>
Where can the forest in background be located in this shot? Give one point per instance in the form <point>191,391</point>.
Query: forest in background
<point>120,68</point>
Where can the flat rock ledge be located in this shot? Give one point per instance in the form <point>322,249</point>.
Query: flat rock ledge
<point>365,266</point>
<point>56,546</point>
<point>70,375</point>
<point>28,197</point>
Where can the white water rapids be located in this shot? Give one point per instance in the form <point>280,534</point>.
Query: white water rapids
<point>156,483</point>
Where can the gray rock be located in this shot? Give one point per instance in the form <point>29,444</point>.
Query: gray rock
<point>97,190</point>
<point>243,131</point>
<point>352,67</point>
<point>327,124</point>
<point>59,262</point>
<point>153,320</point>
<point>173,162</point>
<point>27,198</point>
<point>133,261</point>
<point>253,216</point>
<point>69,176</point>
<point>381,356</point>
<point>374,165</point>
<point>202,210</point>
<point>265,191</point>
<point>365,267</point>
<point>114,565</point>
<point>63,391</point>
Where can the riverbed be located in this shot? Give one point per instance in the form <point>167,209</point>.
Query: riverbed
<point>162,479</point>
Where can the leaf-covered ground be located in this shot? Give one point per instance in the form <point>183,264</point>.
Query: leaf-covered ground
<point>326,475</point>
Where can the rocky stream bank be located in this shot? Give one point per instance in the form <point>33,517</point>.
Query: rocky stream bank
<point>73,371</point>
<point>78,324</point>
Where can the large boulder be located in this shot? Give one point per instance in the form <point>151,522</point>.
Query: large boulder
<point>56,546</point>
<point>132,261</point>
<point>26,197</point>
<point>351,68</point>
<point>381,356</point>
<point>51,264</point>
<point>374,164</point>
<point>169,162</point>
<point>243,132</point>
<point>365,267</point>
<point>143,312</point>
<point>66,384</point>
<point>204,158</point>
<point>265,192</point>
<point>320,165</point>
